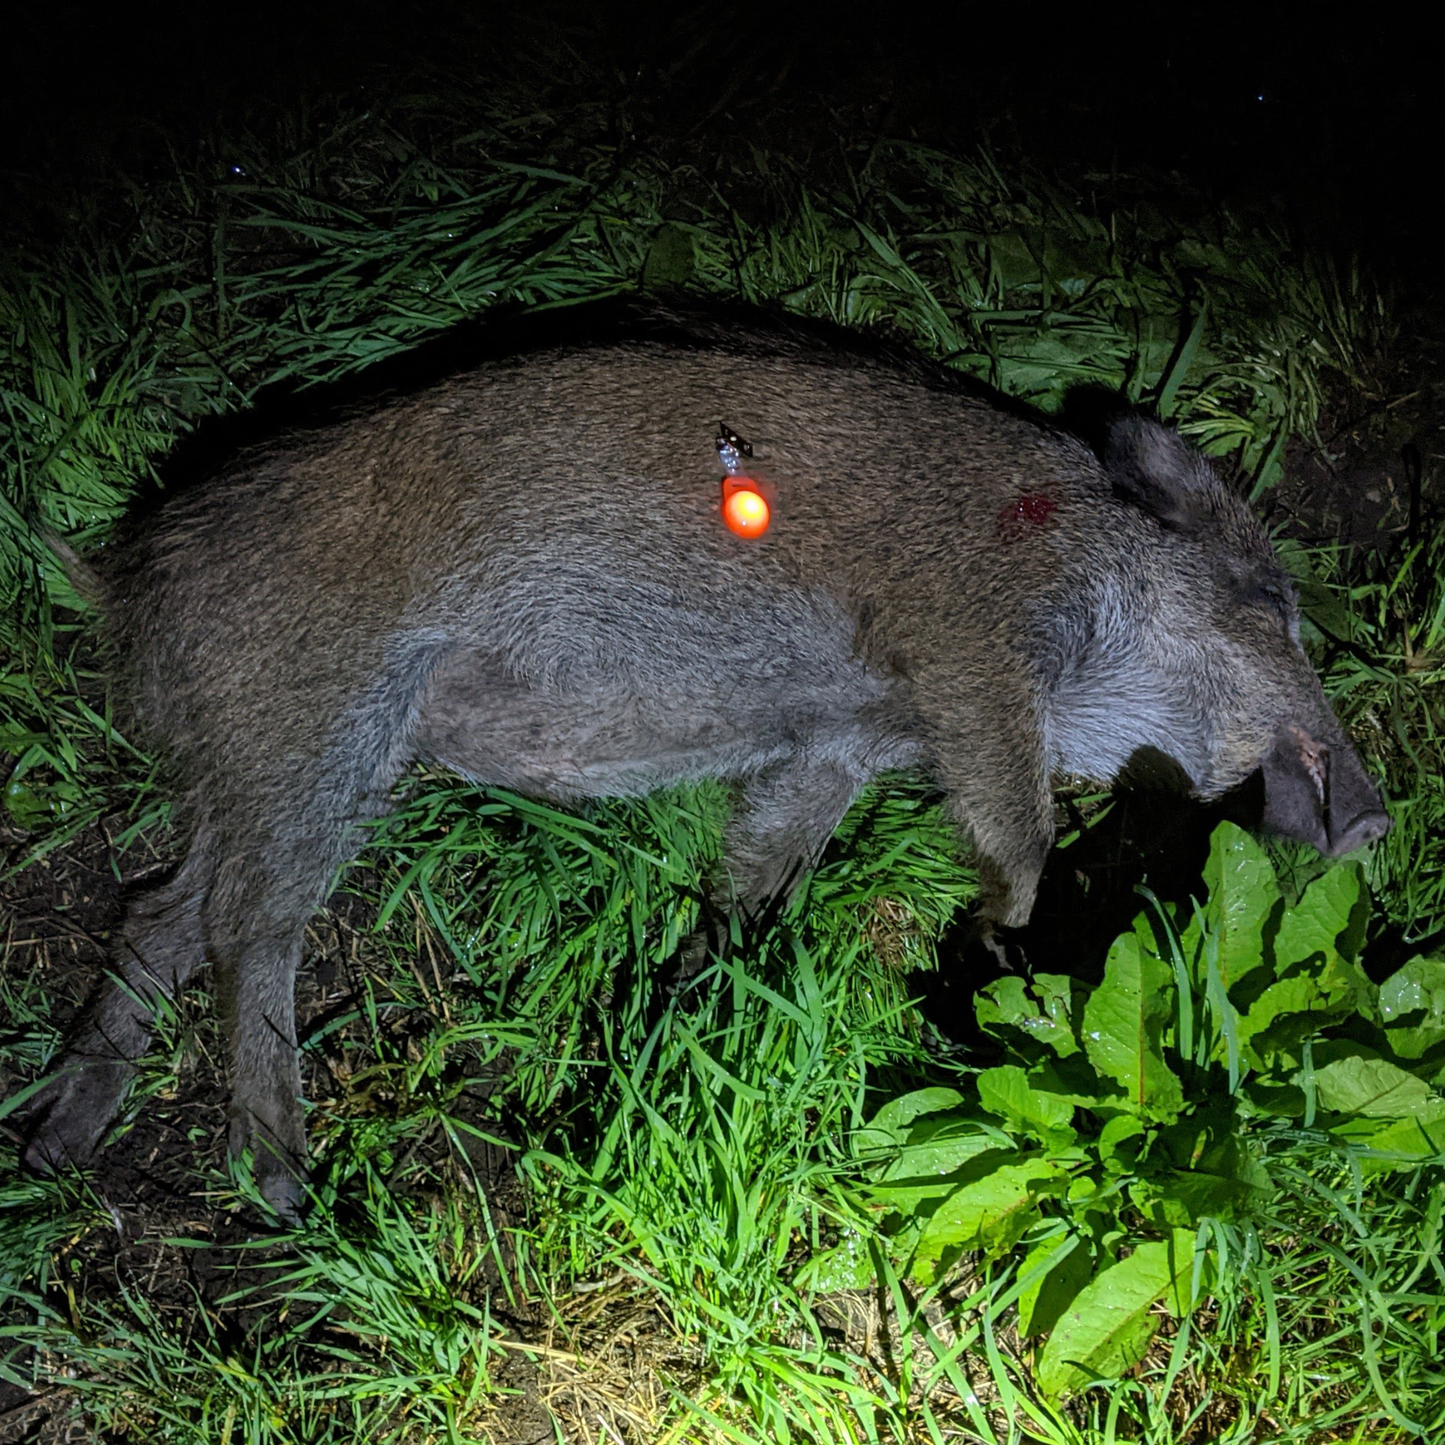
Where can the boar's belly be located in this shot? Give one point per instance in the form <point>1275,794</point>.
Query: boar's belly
<point>605,742</point>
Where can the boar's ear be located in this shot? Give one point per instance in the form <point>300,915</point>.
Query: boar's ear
<point>1151,467</point>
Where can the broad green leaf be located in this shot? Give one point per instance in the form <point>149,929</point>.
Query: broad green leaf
<point>1041,1009</point>
<point>1074,1079</point>
<point>671,259</point>
<point>1329,919</point>
<point>1063,1268</point>
<point>1006,1091</point>
<point>1355,1084</point>
<point>1228,1182</point>
<point>1107,1328</point>
<point>890,1125</point>
<point>1403,1141</point>
<point>1116,1133</point>
<point>991,1213</point>
<point>1058,997</point>
<point>26,806</point>
<point>1295,1008</point>
<point>1004,1001</point>
<point>1185,1142</point>
<point>1412,1007</point>
<point>1124,1025</point>
<point>1282,1101</point>
<point>923,1169</point>
<point>1243,895</point>
<point>1013,259</point>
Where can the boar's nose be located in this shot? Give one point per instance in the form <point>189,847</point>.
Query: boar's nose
<point>1319,793</point>
<point>1363,828</point>
<point>1354,812</point>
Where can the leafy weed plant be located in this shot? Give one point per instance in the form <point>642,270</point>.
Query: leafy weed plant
<point>1140,1134</point>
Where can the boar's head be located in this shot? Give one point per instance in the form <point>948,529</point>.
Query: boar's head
<point>1215,676</point>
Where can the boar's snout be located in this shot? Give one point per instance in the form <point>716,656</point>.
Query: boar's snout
<point>1319,793</point>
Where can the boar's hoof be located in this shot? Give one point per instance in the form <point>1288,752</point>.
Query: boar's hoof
<point>68,1119</point>
<point>279,1180</point>
<point>280,1187</point>
<point>272,1132</point>
<point>711,939</point>
<point>989,950</point>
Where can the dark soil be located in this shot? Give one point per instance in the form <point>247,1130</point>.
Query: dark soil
<point>1375,479</point>
<point>155,1179</point>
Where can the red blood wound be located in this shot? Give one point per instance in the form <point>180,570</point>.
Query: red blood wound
<point>1031,509</point>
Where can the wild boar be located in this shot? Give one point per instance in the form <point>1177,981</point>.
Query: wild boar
<point>520,571</point>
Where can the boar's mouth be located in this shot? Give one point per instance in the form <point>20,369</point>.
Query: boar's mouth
<point>1319,794</point>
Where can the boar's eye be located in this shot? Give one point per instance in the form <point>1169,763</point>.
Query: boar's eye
<point>1276,595</point>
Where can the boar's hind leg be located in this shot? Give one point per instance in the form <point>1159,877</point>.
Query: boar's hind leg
<point>158,947</point>
<point>297,823</point>
<point>255,923</point>
<point>780,827</point>
<point>255,918</point>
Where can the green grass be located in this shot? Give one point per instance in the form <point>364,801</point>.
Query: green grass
<point>693,1252</point>
<point>684,1167</point>
<point>1385,646</point>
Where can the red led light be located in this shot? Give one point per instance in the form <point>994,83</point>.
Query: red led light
<point>744,508</point>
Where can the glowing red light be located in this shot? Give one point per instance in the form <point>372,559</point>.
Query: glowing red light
<point>744,509</point>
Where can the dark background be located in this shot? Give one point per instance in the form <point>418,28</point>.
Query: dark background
<point>1335,110</point>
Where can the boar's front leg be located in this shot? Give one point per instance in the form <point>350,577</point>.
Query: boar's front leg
<point>780,826</point>
<point>1000,798</point>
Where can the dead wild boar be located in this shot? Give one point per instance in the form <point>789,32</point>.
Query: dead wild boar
<point>520,571</point>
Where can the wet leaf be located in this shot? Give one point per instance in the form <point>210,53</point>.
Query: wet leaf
<point>1228,1182</point>
<point>991,1213</point>
<point>1065,1266</point>
<point>1042,1010</point>
<point>1006,1091</point>
<point>1402,1142</point>
<point>1124,1024</point>
<point>1355,1084</point>
<point>1412,1007</point>
<point>890,1125</point>
<point>671,259</point>
<point>1107,1328</point>
<point>1328,919</point>
<point>1243,895</point>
